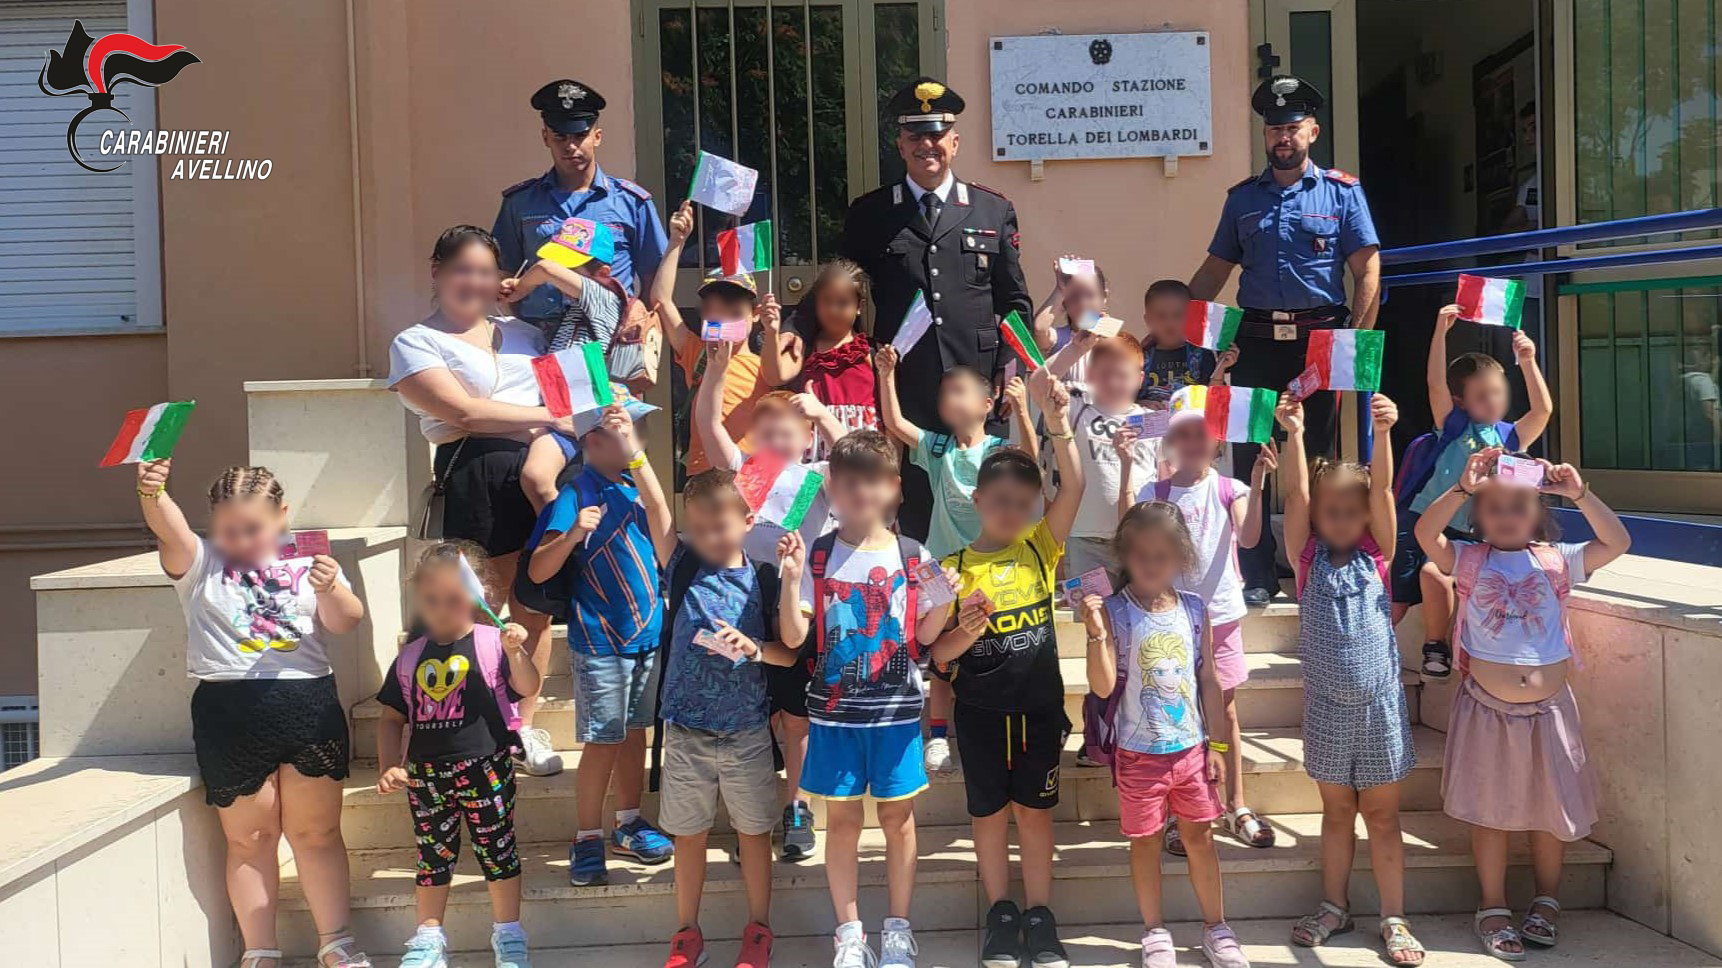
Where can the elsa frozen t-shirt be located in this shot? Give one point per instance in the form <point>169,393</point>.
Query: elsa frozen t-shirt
<point>1160,710</point>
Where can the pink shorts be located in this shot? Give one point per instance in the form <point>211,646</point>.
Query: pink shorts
<point>1153,785</point>
<point>1229,654</point>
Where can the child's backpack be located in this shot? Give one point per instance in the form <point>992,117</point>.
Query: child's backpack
<point>679,579</point>
<point>550,597</point>
<point>1228,489</point>
<point>818,557</point>
<point>1099,716</point>
<point>487,648</point>
<point>1469,564</point>
<point>1417,464</point>
<point>1367,546</point>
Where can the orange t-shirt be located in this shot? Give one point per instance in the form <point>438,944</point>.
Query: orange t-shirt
<point>741,387</point>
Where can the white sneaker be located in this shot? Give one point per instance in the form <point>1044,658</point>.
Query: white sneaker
<point>897,948</point>
<point>536,756</point>
<point>851,945</point>
<point>937,755</point>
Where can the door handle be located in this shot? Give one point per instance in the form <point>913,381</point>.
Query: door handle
<point>795,284</point>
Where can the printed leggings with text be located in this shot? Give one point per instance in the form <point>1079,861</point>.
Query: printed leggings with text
<point>479,791</point>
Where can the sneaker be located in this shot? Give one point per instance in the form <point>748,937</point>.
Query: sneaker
<point>640,840</point>
<point>1258,597</point>
<point>1158,951</point>
<point>687,949</point>
<point>798,838</point>
<point>1437,661</point>
<point>536,757</point>
<point>510,948</point>
<point>1040,938</point>
<point>937,755</point>
<point>427,949</point>
<point>897,948</point>
<point>1002,945</point>
<point>586,867</point>
<point>1220,946</point>
<point>756,941</point>
<point>850,943</point>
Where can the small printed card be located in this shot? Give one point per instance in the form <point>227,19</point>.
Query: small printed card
<point>978,597</point>
<point>1092,322</point>
<point>1076,267</point>
<point>1519,471</point>
<point>1153,423</point>
<point>304,544</point>
<point>1096,583</point>
<point>1305,384</point>
<point>933,585</point>
<point>716,331</point>
<point>709,641</point>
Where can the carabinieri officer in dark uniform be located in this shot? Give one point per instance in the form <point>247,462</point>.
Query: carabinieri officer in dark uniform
<point>532,210</point>
<point>1295,228</point>
<point>954,240</point>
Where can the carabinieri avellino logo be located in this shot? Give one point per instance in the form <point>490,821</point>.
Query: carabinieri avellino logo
<point>93,67</point>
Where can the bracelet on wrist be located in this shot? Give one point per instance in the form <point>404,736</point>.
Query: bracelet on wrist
<point>1219,747</point>
<point>151,495</point>
<point>638,461</point>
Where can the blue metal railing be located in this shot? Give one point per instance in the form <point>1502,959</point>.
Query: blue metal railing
<point>1624,228</point>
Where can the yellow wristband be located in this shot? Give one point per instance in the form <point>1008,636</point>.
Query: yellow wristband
<point>1219,747</point>
<point>638,462</point>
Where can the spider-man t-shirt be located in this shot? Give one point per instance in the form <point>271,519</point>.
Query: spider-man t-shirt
<point>866,671</point>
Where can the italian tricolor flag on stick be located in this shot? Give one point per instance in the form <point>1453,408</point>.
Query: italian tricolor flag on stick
<point>1243,415</point>
<point>1211,325</point>
<point>777,490</point>
<point>1021,339</point>
<point>746,249</point>
<point>149,434</point>
<point>1492,302</point>
<point>1347,359</point>
<point>574,380</point>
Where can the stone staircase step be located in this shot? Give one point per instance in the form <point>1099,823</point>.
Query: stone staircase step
<point>1272,698</point>
<point>1273,763</point>
<point>1092,868</point>
<point>1587,938</point>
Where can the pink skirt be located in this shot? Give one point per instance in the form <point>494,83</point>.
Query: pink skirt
<point>1518,765</point>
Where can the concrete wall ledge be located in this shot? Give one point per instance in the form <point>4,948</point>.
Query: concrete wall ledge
<point>1669,594</point>
<point>144,570</point>
<point>315,386</point>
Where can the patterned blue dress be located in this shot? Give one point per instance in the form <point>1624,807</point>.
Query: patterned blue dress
<point>1356,730</point>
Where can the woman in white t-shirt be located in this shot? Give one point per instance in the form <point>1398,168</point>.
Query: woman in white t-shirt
<point>468,375</point>
<point>265,700</point>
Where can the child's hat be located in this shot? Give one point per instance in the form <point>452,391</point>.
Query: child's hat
<point>579,241</point>
<point>1189,403</point>
<point>741,283</point>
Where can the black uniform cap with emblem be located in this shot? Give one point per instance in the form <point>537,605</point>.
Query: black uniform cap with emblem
<point>1283,99</point>
<point>926,106</point>
<point>568,107</point>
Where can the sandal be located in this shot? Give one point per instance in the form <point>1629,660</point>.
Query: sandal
<point>1538,928</point>
<point>1396,932</point>
<point>1243,824</point>
<point>253,955</point>
<point>1220,946</point>
<point>1312,931</point>
<point>1495,942</point>
<point>345,954</point>
<point>1437,661</point>
<point>1175,841</point>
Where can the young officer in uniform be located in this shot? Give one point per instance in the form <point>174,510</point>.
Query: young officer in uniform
<point>532,210</point>
<point>953,240</point>
<point>1295,228</point>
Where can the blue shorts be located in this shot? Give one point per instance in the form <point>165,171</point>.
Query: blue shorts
<point>614,694</point>
<point>850,762</point>
<point>1409,559</point>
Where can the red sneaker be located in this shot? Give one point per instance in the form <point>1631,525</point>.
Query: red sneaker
<point>756,941</point>
<point>687,949</point>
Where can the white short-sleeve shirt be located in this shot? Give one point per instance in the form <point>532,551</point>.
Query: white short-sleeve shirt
<point>258,623</point>
<point>506,379</point>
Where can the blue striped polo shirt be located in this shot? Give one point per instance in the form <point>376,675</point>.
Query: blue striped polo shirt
<point>616,608</point>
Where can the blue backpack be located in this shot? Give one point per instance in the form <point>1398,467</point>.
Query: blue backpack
<point>1417,464</point>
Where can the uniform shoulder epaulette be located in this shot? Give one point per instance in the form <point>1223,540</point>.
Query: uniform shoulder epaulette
<point>1344,178</point>
<point>517,186</point>
<point>1241,184</point>
<point>989,191</point>
<point>632,189</point>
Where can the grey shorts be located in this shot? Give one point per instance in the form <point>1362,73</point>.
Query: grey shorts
<point>614,694</point>
<point>698,766</point>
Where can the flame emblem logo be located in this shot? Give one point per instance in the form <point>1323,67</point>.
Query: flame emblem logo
<point>93,67</point>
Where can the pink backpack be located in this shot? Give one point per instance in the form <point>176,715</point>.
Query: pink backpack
<point>1469,564</point>
<point>487,646</point>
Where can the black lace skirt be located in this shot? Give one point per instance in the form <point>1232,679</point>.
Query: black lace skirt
<point>244,730</point>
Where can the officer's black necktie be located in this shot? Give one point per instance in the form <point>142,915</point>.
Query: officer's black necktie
<point>930,206</point>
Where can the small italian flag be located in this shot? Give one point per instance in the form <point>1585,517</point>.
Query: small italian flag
<point>1347,359</point>
<point>1242,415</point>
<point>747,248</point>
<point>1021,339</point>
<point>149,434</point>
<point>574,380</point>
<point>777,490</point>
<point>1211,325</point>
<point>1492,302</point>
<point>475,589</point>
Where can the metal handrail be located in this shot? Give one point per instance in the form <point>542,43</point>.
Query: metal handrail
<point>1517,269</point>
<point>1623,228</point>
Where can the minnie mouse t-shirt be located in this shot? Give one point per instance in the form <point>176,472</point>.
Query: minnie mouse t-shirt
<point>251,623</point>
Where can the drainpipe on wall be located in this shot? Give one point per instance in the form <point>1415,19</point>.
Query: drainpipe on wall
<point>362,365</point>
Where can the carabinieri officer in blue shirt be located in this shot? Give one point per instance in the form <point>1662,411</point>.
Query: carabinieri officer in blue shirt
<point>1295,228</point>
<point>532,210</point>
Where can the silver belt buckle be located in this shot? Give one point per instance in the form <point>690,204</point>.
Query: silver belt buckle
<point>1285,332</point>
